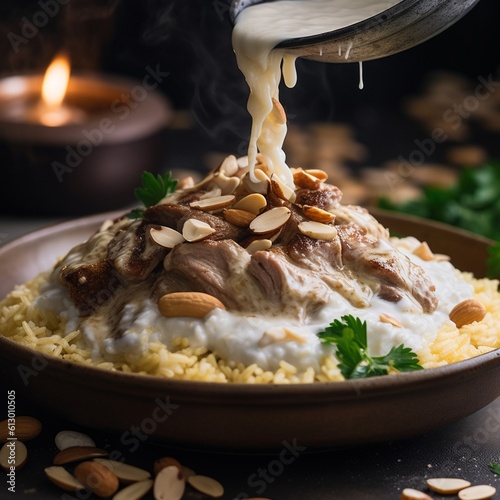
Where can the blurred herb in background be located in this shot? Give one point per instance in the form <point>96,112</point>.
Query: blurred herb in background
<point>472,204</point>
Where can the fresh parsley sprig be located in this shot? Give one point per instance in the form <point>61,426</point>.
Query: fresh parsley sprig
<point>152,190</point>
<point>349,336</point>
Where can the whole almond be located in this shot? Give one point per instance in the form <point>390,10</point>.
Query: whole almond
<point>67,439</point>
<point>447,485</point>
<point>169,484</point>
<point>97,478</point>
<point>124,472</point>
<point>466,312</point>
<point>13,454</point>
<point>188,304</point>
<point>135,491</point>
<point>23,428</point>
<point>63,479</point>
<point>77,453</point>
<point>411,494</point>
<point>163,462</point>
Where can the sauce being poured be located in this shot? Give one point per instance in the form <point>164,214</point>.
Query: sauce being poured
<point>258,30</point>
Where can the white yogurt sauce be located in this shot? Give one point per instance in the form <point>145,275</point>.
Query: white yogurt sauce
<point>239,338</point>
<point>258,30</point>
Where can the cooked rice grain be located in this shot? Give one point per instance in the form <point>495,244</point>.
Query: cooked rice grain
<point>44,332</point>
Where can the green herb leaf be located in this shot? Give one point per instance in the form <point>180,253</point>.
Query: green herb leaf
<point>494,467</point>
<point>154,188</point>
<point>350,338</point>
<point>137,213</point>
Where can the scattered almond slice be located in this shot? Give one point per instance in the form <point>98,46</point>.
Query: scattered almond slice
<point>215,203</point>
<point>281,190</point>
<point>67,439</point>
<point>411,494</point>
<point>226,184</point>
<point>253,203</point>
<point>206,485</point>
<point>63,479</point>
<point>229,166</point>
<point>166,236</point>
<point>196,230</point>
<point>316,172</point>
<point>386,318</point>
<point>262,184</point>
<point>124,472</point>
<point>13,454</point>
<point>163,462</point>
<point>424,252</point>
<point>169,484</point>
<point>134,491</point>
<point>240,218</point>
<point>188,304</point>
<point>77,453</point>
<point>318,230</point>
<point>216,191</point>
<point>479,492</point>
<point>447,486</point>
<point>317,214</point>
<point>97,478</point>
<point>271,220</point>
<point>280,334</point>
<point>467,311</point>
<point>305,180</point>
<point>23,428</point>
<point>258,245</point>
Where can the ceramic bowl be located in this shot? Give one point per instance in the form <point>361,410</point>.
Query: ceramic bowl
<point>247,417</point>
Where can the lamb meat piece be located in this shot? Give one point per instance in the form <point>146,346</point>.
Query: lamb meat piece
<point>174,216</point>
<point>133,253</point>
<point>88,274</point>
<point>327,197</point>
<point>392,272</point>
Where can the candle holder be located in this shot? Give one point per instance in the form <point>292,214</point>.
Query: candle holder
<point>107,131</point>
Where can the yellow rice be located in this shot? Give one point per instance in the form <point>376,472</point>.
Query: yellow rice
<point>44,332</point>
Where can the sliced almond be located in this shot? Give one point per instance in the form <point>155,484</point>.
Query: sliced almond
<point>196,230</point>
<point>253,203</point>
<point>318,230</point>
<point>305,180</point>
<point>319,174</point>
<point>411,494</point>
<point>212,193</point>
<point>22,427</point>
<point>447,485</point>
<point>97,478</point>
<point>186,183</point>
<point>63,479</point>
<point>135,491</point>
<point>229,166</point>
<point>125,473</point>
<point>206,485</point>
<point>261,185</point>
<point>466,312</point>
<point>278,114</point>
<point>424,252</point>
<point>163,462</point>
<point>281,190</point>
<point>271,220</point>
<point>77,453</point>
<point>215,203</point>
<point>67,439</point>
<point>166,236</point>
<point>259,245</point>
<point>479,492</point>
<point>169,484</point>
<point>13,454</point>
<point>317,214</point>
<point>226,184</point>
<point>240,218</point>
<point>188,304</point>
<point>386,318</point>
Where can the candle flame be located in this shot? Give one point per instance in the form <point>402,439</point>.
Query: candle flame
<point>55,81</point>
